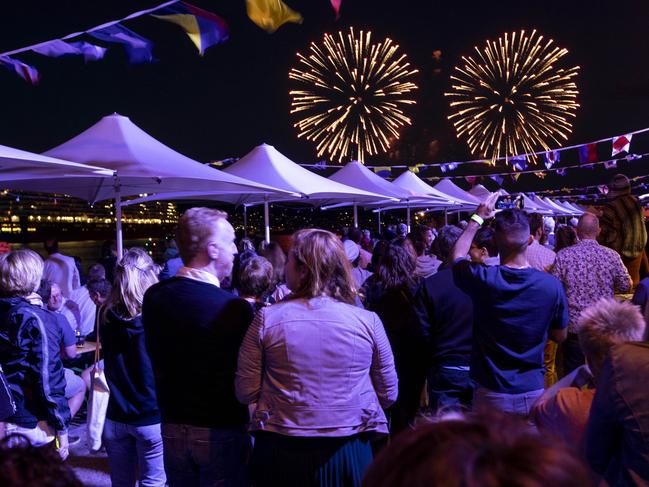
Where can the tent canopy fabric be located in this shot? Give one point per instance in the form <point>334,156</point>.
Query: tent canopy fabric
<point>453,191</point>
<point>141,165</point>
<point>266,165</point>
<point>18,167</point>
<point>357,175</point>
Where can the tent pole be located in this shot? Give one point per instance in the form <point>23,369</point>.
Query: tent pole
<point>355,216</point>
<point>266,223</point>
<point>378,214</point>
<point>408,218</point>
<point>118,220</point>
<point>445,216</point>
<point>245,221</point>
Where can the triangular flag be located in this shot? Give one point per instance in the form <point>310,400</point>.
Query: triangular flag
<point>603,188</point>
<point>138,49</point>
<point>336,6</point>
<point>519,163</point>
<point>497,179</point>
<point>320,165</point>
<point>515,176</point>
<point>90,52</point>
<point>204,28</point>
<point>588,153</point>
<point>551,158</point>
<point>540,174</point>
<point>270,15</point>
<point>561,171</point>
<point>25,71</point>
<point>621,143</point>
<point>610,164</point>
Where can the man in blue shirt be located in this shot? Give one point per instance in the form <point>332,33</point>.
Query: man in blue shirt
<point>516,308</point>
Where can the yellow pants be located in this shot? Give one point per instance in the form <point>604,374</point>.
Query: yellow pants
<point>550,363</point>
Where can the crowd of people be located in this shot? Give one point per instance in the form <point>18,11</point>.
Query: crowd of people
<point>493,352</point>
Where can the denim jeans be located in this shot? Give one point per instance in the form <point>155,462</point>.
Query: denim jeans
<point>518,404</point>
<point>133,449</point>
<point>205,457</point>
<point>449,389</point>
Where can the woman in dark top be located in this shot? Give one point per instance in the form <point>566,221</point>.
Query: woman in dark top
<point>389,293</point>
<point>132,431</point>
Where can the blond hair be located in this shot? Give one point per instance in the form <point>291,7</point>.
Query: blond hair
<point>134,274</point>
<point>605,323</point>
<point>20,272</point>
<point>195,226</point>
<point>322,254</point>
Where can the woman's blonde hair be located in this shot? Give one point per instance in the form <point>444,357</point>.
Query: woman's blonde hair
<point>134,274</point>
<point>328,271</point>
<point>20,272</point>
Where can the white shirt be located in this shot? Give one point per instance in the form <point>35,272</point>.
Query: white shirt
<point>198,275</point>
<point>87,308</point>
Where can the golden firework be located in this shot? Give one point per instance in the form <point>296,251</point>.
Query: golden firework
<point>512,98</point>
<point>353,95</point>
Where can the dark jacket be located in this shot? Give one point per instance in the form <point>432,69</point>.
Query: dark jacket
<point>128,371</point>
<point>617,435</point>
<point>35,375</point>
<point>193,333</point>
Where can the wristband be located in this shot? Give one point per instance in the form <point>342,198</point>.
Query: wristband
<point>478,219</point>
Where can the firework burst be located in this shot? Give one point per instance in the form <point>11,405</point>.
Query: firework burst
<point>353,94</point>
<point>512,98</point>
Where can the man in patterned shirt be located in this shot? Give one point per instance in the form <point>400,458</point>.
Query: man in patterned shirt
<point>588,272</point>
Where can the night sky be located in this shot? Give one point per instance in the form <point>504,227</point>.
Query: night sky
<point>236,96</point>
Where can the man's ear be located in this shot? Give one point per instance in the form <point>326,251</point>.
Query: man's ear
<point>530,240</point>
<point>213,251</point>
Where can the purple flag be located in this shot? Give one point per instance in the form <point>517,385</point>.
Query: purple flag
<point>519,163</point>
<point>551,158</point>
<point>25,71</point>
<point>497,179</point>
<point>58,48</point>
<point>138,49</point>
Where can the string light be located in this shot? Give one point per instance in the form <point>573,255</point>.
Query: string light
<point>512,98</point>
<point>353,94</point>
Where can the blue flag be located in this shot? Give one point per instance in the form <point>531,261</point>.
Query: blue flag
<point>138,49</point>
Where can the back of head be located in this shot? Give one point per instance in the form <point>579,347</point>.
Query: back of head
<point>96,271</point>
<point>396,268</point>
<point>195,227</point>
<point>619,186</point>
<point>134,274</point>
<point>101,286</point>
<point>588,226</point>
<point>535,222</point>
<point>604,324</point>
<point>51,244</point>
<point>512,231</point>
<point>446,239</point>
<point>355,235</point>
<point>20,272</point>
<point>478,451</point>
<point>564,236</point>
<point>255,277</point>
<point>485,239</point>
<point>276,256</point>
<point>327,271</point>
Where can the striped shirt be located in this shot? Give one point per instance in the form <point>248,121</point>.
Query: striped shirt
<point>623,229</point>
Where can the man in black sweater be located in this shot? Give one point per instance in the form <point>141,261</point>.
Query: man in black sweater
<point>446,319</point>
<point>193,332</point>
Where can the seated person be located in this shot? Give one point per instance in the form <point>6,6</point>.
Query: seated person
<point>81,296</point>
<point>563,409</point>
<point>255,282</point>
<point>56,302</point>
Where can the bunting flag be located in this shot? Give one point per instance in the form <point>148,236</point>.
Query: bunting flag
<point>204,28</point>
<point>336,6</point>
<point>610,165</point>
<point>448,167</point>
<point>270,15</point>
<point>25,71</point>
<point>320,165</point>
<point>621,143</point>
<point>138,49</point>
<point>383,171</point>
<point>498,179</point>
<point>519,163</point>
<point>540,174</point>
<point>562,171</point>
<point>588,153</point>
<point>603,188</point>
<point>551,158</point>
<point>515,176</point>
<point>58,48</point>
<point>413,169</point>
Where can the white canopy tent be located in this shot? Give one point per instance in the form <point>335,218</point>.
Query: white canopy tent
<point>559,210</point>
<point>138,164</point>
<point>267,166</point>
<point>453,191</point>
<point>357,175</point>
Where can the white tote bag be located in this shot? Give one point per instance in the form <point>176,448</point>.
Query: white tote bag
<point>98,399</point>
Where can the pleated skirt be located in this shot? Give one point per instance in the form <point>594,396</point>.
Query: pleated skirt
<point>309,461</point>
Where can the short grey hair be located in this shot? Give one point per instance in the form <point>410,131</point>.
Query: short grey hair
<point>446,239</point>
